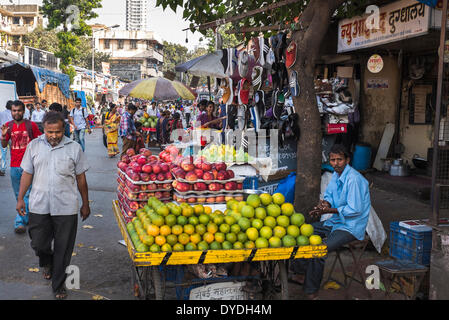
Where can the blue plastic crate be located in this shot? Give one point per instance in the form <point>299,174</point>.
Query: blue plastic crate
<point>172,273</point>
<point>410,245</point>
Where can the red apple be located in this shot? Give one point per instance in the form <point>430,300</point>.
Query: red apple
<point>125,159</point>
<point>166,194</point>
<point>231,186</point>
<point>222,175</point>
<point>158,195</point>
<point>157,168</point>
<point>191,176</point>
<point>153,177</point>
<point>122,165</point>
<point>143,196</point>
<point>135,176</point>
<point>210,200</point>
<point>135,167</point>
<point>230,174</point>
<point>168,176</point>
<point>131,195</point>
<point>161,177</point>
<point>187,166</point>
<point>201,200</point>
<point>145,177</point>
<point>130,152</point>
<point>206,166</point>
<point>146,152</point>
<point>152,186</point>
<point>199,173</point>
<point>220,166</point>
<point>208,176</point>
<point>200,186</point>
<point>142,160</point>
<point>133,205</point>
<point>147,168</point>
<point>175,183</point>
<point>144,187</point>
<point>239,186</point>
<point>191,200</point>
<point>134,188</point>
<point>164,167</point>
<point>166,186</point>
<point>214,187</point>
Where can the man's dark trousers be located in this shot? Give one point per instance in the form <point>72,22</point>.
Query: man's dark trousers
<point>43,229</point>
<point>315,267</point>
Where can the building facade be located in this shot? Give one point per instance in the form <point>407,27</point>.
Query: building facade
<point>137,15</point>
<point>15,22</point>
<point>135,55</point>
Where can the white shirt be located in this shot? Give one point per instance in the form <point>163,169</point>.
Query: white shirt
<point>187,109</point>
<point>37,116</point>
<point>152,112</point>
<point>27,114</point>
<point>78,119</point>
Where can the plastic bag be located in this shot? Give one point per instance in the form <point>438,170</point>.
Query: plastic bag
<point>287,187</point>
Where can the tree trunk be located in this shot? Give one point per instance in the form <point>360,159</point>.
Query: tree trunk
<point>315,22</point>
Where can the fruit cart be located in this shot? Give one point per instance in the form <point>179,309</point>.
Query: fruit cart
<point>149,282</point>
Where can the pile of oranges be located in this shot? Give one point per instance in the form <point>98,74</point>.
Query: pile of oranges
<point>262,221</point>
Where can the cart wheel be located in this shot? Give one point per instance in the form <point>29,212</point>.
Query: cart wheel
<point>283,277</point>
<point>157,283</point>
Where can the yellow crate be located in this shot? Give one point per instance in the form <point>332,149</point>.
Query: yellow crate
<point>213,256</point>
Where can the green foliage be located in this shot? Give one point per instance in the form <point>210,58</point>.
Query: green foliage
<point>229,40</point>
<point>42,39</point>
<point>60,18</point>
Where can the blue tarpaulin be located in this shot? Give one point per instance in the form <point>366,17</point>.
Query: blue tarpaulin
<point>45,76</point>
<point>430,3</point>
<point>82,95</point>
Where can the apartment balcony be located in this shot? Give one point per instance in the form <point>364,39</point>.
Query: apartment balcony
<point>16,30</point>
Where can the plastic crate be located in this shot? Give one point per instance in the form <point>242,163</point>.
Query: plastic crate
<point>410,245</point>
<point>251,183</point>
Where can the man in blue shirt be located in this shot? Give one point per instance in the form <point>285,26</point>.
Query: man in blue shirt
<point>127,130</point>
<point>347,198</point>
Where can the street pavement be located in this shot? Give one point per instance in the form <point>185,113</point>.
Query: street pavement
<point>104,264</point>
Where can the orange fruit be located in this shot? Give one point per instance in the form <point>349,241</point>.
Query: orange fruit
<point>160,240</point>
<point>252,233</point>
<point>189,229</point>
<point>278,198</point>
<point>172,239</point>
<point>153,230</point>
<point>164,230</point>
<point>208,237</point>
<point>287,209</point>
<point>200,229</point>
<point>220,237</point>
<point>187,211</point>
<point>177,229</point>
<point>198,209</point>
<point>207,210</point>
<point>184,238</point>
<point>212,228</point>
<point>195,238</point>
<point>178,247</point>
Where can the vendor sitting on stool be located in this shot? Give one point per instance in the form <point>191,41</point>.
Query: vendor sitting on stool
<point>347,198</point>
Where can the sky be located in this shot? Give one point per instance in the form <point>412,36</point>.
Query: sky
<point>167,24</point>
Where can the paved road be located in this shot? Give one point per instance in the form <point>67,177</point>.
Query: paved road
<point>104,264</point>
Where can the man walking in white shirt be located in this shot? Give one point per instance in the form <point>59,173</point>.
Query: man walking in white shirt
<point>37,116</point>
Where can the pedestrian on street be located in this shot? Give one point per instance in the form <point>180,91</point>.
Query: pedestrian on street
<point>56,167</point>
<point>79,120</point>
<point>37,116</point>
<point>187,113</point>
<point>20,132</point>
<point>66,113</point>
<point>111,127</point>
<point>5,116</point>
<point>127,130</point>
<point>45,105</point>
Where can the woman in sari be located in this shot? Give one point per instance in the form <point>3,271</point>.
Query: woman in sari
<point>111,126</point>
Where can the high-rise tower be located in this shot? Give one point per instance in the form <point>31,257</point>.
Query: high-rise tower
<point>137,15</point>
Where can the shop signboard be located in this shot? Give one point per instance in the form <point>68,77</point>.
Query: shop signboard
<point>396,21</point>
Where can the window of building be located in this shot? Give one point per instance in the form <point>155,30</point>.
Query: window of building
<point>133,44</point>
<point>107,44</point>
<point>121,44</point>
<point>16,20</point>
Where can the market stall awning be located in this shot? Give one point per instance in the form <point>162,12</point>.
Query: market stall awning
<point>44,76</point>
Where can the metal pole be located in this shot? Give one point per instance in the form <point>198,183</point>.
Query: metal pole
<point>435,204</point>
<point>93,66</point>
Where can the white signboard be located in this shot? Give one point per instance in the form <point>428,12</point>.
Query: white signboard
<point>7,92</point>
<point>220,291</point>
<point>397,21</point>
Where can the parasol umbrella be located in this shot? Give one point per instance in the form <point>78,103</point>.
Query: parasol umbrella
<point>158,88</point>
<point>208,65</point>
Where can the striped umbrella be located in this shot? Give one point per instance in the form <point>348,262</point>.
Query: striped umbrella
<point>158,89</point>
